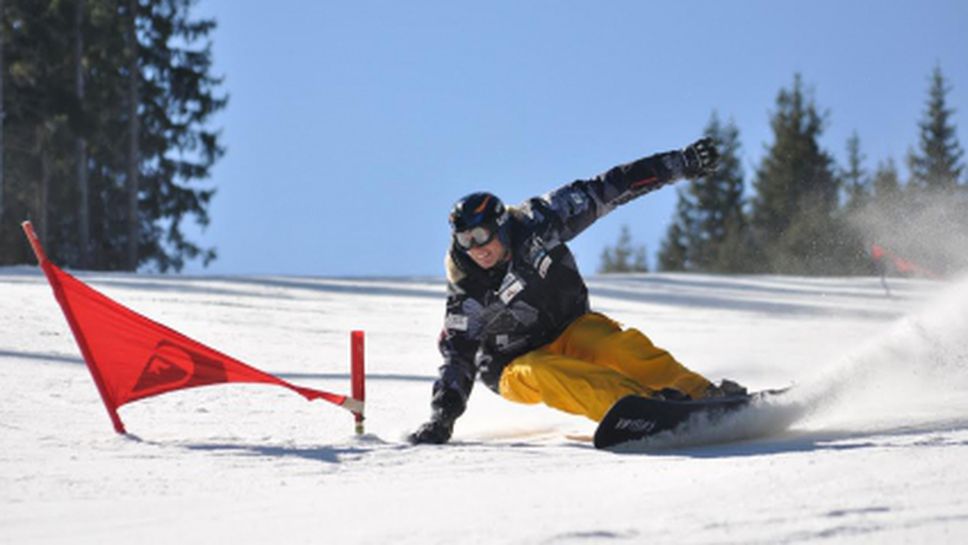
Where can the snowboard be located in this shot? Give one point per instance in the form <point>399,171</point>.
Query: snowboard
<point>635,417</point>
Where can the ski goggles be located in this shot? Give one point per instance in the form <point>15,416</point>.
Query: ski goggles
<point>473,238</point>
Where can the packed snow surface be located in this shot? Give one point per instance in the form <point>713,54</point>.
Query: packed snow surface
<point>871,445</point>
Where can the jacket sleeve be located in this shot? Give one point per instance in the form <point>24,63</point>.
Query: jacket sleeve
<point>578,204</point>
<point>458,344</point>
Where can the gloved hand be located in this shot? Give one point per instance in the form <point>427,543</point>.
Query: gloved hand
<point>437,431</point>
<point>699,158</point>
<point>447,405</point>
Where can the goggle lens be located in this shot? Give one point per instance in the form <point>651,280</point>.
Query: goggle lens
<point>472,238</point>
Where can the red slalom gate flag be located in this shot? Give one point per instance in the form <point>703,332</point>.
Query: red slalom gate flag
<point>132,357</point>
<point>900,264</point>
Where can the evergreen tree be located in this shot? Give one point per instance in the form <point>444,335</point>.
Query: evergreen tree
<point>177,148</point>
<point>674,251</point>
<point>736,253</point>
<point>106,136</point>
<point>709,212</point>
<point>886,184</point>
<point>624,256</point>
<point>80,141</point>
<point>797,194</point>
<point>936,165</point>
<point>936,205</point>
<point>883,219</point>
<point>851,244</point>
<point>856,181</point>
<point>36,107</point>
<point>3,68</point>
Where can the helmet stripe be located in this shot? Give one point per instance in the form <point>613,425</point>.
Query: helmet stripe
<point>480,208</point>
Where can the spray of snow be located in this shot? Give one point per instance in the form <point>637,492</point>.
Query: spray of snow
<point>914,376</point>
<point>926,228</point>
<point>765,417</point>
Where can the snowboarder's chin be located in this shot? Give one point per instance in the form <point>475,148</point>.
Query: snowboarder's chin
<point>488,255</point>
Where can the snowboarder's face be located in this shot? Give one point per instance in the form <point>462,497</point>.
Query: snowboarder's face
<point>488,255</point>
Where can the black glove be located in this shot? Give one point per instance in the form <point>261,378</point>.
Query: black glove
<point>447,405</point>
<point>699,158</point>
<point>436,432</point>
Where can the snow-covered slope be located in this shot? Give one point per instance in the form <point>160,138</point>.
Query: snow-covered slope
<point>877,452</point>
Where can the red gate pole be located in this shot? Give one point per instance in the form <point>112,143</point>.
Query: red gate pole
<point>45,265</point>
<point>357,375</point>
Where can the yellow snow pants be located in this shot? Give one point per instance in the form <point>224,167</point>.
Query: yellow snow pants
<point>593,364</point>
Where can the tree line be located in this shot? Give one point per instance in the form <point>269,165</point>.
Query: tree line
<point>104,143</point>
<point>808,215</point>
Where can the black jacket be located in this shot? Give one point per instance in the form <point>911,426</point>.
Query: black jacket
<point>496,315</point>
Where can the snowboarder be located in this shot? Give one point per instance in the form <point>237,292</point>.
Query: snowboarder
<point>517,308</point>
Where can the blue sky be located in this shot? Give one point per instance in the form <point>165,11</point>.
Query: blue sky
<point>353,126</point>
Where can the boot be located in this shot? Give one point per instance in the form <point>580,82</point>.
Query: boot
<point>726,388</point>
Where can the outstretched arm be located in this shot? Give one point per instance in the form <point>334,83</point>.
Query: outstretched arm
<point>580,203</point>
<point>458,345</point>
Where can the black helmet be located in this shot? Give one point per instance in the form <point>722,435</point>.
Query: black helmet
<point>478,210</point>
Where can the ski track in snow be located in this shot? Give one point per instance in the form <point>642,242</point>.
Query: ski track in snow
<point>870,446</point>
